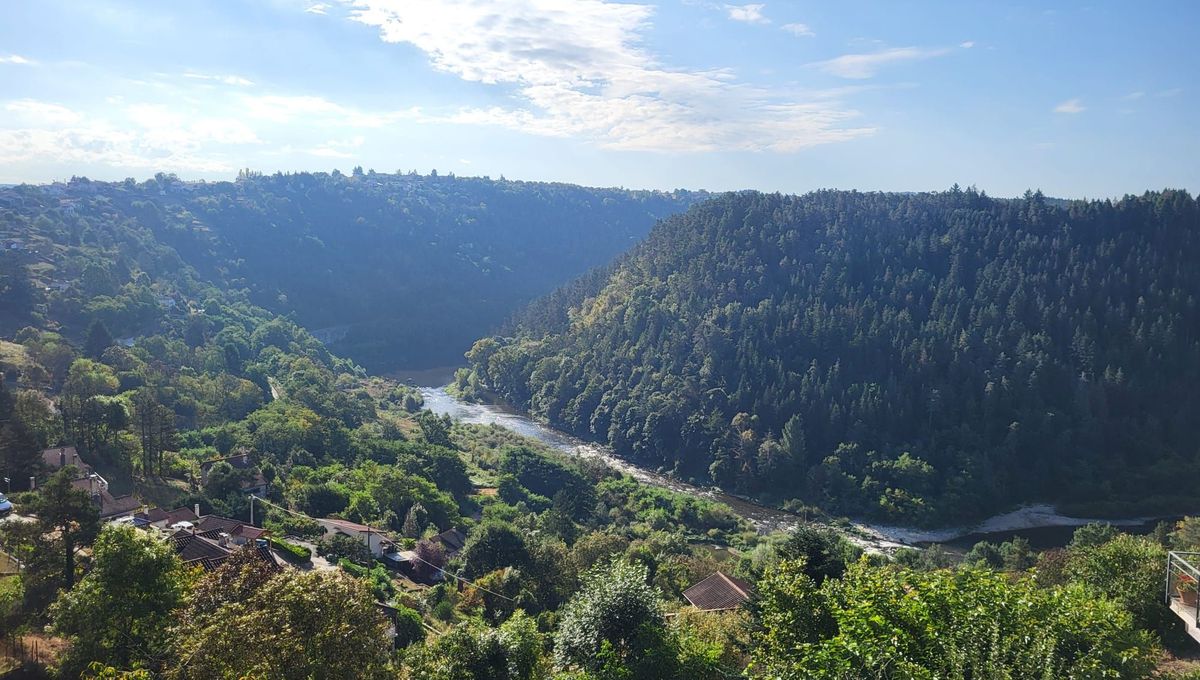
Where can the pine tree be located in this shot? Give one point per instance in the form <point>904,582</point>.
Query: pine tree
<point>98,340</point>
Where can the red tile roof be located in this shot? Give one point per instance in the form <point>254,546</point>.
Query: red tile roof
<point>718,592</point>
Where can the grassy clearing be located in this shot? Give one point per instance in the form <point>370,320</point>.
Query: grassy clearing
<point>12,354</point>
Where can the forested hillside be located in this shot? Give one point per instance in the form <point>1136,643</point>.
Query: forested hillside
<point>394,270</point>
<point>494,556</point>
<point>918,358</point>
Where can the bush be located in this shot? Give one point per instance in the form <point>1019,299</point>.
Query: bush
<point>291,551</point>
<point>338,546</point>
<point>409,627</point>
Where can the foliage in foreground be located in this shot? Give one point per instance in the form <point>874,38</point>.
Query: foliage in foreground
<point>969,623</point>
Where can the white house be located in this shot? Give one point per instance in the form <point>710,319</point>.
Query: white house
<point>377,542</point>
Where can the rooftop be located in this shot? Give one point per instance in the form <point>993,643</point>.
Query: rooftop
<point>718,592</point>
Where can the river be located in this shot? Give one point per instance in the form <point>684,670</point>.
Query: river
<point>1040,524</point>
<point>441,402</point>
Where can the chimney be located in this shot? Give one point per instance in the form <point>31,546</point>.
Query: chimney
<point>196,509</point>
<point>223,540</point>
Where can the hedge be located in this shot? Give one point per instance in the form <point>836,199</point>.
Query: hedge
<point>296,553</point>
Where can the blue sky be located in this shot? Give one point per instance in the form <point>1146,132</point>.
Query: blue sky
<point>1089,99</point>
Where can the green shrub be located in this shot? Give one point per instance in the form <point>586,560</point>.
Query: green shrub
<point>291,551</point>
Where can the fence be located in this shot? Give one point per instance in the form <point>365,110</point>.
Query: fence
<point>1182,584</point>
<point>21,656</point>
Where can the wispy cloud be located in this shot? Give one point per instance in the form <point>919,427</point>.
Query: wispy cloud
<point>1133,95</point>
<point>16,59</point>
<point>798,29</point>
<point>967,44</point>
<point>335,148</point>
<point>314,110</point>
<point>751,14</point>
<point>1071,106</point>
<point>578,68</point>
<point>1169,93</point>
<point>317,8</point>
<point>226,79</point>
<point>860,66</point>
<point>39,112</point>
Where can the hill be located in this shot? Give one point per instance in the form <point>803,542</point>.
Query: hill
<point>918,358</point>
<point>388,270</point>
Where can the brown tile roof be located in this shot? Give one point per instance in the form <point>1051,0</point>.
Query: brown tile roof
<point>63,456</point>
<point>452,540</point>
<point>192,547</point>
<point>347,525</point>
<point>211,522</point>
<point>232,527</point>
<point>203,550</point>
<point>155,514</point>
<point>111,505</point>
<point>172,517</point>
<point>718,592</point>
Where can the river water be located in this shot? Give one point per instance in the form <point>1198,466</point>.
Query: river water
<point>1040,524</point>
<point>765,519</point>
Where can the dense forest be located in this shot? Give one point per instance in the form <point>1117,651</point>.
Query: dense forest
<point>161,377</point>
<point>912,357</point>
<point>394,270</point>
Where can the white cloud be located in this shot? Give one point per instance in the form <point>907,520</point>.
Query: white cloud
<point>578,68</point>
<point>151,136</point>
<point>226,79</point>
<point>1134,95</point>
<point>1070,106</point>
<point>33,111</point>
<point>798,29</point>
<point>751,14</point>
<point>860,66</point>
<point>336,148</point>
<point>16,59</point>
<point>317,8</point>
<point>314,110</point>
<point>967,44</point>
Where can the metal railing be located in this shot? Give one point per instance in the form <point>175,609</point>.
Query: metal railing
<point>1183,582</point>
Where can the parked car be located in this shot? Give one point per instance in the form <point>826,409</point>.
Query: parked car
<point>6,505</point>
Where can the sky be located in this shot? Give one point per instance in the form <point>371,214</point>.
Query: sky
<point>1078,99</point>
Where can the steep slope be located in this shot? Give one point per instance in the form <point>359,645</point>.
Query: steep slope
<point>392,270</point>
<point>916,357</point>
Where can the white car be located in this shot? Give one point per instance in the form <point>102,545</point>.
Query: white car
<point>6,505</point>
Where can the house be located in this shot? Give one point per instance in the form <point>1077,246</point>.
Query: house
<point>452,541</point>
<point>108,505</point>
<point>239,533</point>
<point>163,519</point>
<point>58,458</point>
<point>404,561</point>
<point>378,544</point>
<point>87,480</point>
<point>718,592</point>
<point>255,484</point>
<point>209,549</point>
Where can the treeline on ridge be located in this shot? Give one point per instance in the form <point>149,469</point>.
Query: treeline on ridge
<point>914,357</point>
<point>396,270</point>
